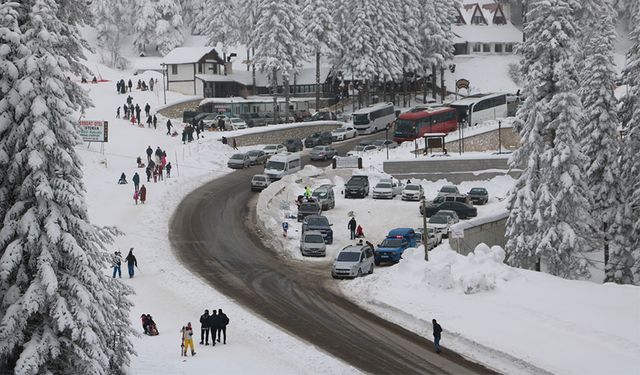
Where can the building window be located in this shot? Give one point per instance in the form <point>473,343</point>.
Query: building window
<point>498,47</point>
<point>174,69</point>
<point>486,47</point>
<point>499,20</point>
<point>477,47</point>
<point>478,20</point>
<point>508,47</point>
<point>200,68</point>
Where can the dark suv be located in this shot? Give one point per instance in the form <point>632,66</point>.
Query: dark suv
<point>318,139</point>
<point>293,144</point>
<point>464,210</point>
<point>308,208</point>
<point>319,223</point>
<point>253,119</point>
<point>357,186</point>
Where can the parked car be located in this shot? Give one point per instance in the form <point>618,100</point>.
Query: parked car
<point>345,132</point>
<point>293,144</point>
<point>308,208</point>
<point>381,143</point>
<point>322,116</point>
<point>451,198</point>
<point>318,223</point>
<point>259,182</point>
<point>435,237</point>
<point>209,120</point>
<point>323,153</point>
<point>353,261</point>
<point>253,119</point>
<point>391,249</point>
<point>274,149</point>
<point>448,189</point>
<point>317,139</point>
<point>359,150</point>
<point>478,195</point>
<point>325,196</point>
<point>387,188</point>
<point>464,210</point>
<point>312,244</point>
<point>257,157</point>
<point>237,123</point>
<point>442,223</point>
<point>239,161</point>
<point>412,192</point>
<point>300,116</point>
<point>357,186</point>
<point>451,214</point>
<point>365,142</point>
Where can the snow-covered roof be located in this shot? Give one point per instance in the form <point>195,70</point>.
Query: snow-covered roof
<point>186,55</point>
<point>141,64</point>
<point>306,76</point>
<point>485,8</point>
<point>486,33</point>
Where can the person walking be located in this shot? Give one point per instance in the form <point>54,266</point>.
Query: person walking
<point>136,196</point>
<point>221,124</point>
<point>155,122</point>
<point>136,181</point>
<point>213,326</point>
<point>130,84</point>
<point>151,83</point>
<point>187,339</point>
<point>147,109</point>
<point>204,328</point>
<point>131,261</point>
<point>143,194</point>
<point>148,173</point>
<point>437,332</point>
<point>223,321</point>
<point>168,168</point>
<point>138,112</point>
<point>169,127</point>
<point>149,153</point>
<point>352,227</point>
<point>235,146</point>
<point>149,121</point>
<point>117,262</point>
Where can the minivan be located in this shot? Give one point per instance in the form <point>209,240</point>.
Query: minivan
<point>325,196</point>
<point>353,261</point>
<point>282,164</point>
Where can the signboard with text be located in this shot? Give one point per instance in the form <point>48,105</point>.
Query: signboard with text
<point>94,131</point>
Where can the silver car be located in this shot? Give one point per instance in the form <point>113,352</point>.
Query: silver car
<point>312,244</point>
<point>435,237</point>
<point>260,182</point>
<point>387,188</point>
<point>239,161</point>
<point>353,261</point>
<point>257,157</point>
<point>322,153</point>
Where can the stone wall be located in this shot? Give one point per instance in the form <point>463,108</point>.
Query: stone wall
<point>453,169</point>
<point>281,133</point>
<point>487,141</point>
<point>175,111</point>
<point>490,232</point>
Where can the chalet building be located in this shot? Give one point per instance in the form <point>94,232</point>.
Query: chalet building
<point>483,27</point>
<point>184,63</point>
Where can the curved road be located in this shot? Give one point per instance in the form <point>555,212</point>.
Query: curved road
<point>213,233</point>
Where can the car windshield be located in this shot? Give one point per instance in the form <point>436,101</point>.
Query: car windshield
<point>236,120</point>
<point>270,147</point>
<point>412,187</point>
<point>359,148</point>
<point>238,156</point>
<point>318,221</point>
<point>259,178</point>
<point>361,119</point>
<point>313,238</point>
<point>348,256</point>
<point>277,165</point>
<point>439,219</point>
<point>320,194</point>
<point>308,207</point>
<point>254,153</point>
<point>391,242</point>
<point>384,186</point>
<point>405,128</point>
<point>449,189</point>
<point>318,148</point>
<point>478,191</point>
<point>378,143</point>
<point>340,130</point>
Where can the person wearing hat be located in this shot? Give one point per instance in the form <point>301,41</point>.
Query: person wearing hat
<point>204,328</point>
<point>117,261</point>
<point>187,339</point>
<point>131,262</point>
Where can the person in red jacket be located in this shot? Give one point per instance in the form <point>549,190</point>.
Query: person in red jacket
<point>143,194</point>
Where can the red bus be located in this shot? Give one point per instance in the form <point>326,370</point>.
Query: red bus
<point>421,120</point>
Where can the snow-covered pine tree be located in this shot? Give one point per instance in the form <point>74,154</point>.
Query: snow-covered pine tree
<point>630,115</point>
<point>222,25</point>
<point>600,140</point>
<point>246,23</point>
<point>159,23</point>
<point>549,212</point>
<point>197,19</point>
<point>430,37</point>
<point>385,18</point>
<point>409,42</point>
<point>57,309</point>
<point>111,20</point>
<point>320,32</point>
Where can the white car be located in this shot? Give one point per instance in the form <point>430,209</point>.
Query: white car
<point>343,133</point>
<point>412,192</point>
<point>237,123</point>
<point>435,237</point>
<point>271,150</point>
<point>448,189</point>
<point>260,182</point>
<point>359,150</point>
<point>441,223</point>
<point>353,261</point>
<point>387,188</point>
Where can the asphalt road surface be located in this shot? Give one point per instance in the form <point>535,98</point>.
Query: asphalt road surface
<point>213,233</point>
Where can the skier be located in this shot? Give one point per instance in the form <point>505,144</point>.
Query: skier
<point>149,153</point>
<point>187,339</point>
<point>168,126</point>
<point>204,328</point>
<point>131,260</point>
<point>136,196</point>
<point>143,194</point>
<point>147,109</point>
<point>437,331</point>
<point>130,85</point>
<point>136,180</point>
<point>213,325</point>
<point>352,227</point>
<point>117,261</point>
<point>223,321</point>
<point>168,167</point>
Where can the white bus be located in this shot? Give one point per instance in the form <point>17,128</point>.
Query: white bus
<point>282,164</point>
<point>373,118</point>
<point>477,108</point>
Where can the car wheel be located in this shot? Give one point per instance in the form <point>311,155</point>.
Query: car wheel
<point>371,270</point>
<point>376,262</point>
<point>359,272</point>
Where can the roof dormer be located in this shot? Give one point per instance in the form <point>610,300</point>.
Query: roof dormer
<point>478,17</point>
<point>459,18</point>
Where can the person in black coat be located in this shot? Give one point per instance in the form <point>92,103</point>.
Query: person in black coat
<point>136,180</point>
<point>130,85</point>
<point>131,262</point>
<point>155,122</point>
<point>437,331</point>
<point>147,109</point>
<point>213,325</point>
<point>169,126</point>
<point>204,328</point>
<point>149,153</point>
<point>223,321</point>
<point>352,227</point>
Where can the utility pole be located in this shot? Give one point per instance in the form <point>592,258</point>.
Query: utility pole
<point>425,234</point>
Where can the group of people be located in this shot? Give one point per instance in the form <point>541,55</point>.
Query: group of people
<point>139,192</point>
<point>216,323</point>
<point>131,260</point>
<point>148,325</point>
<point>355,229</point>
<point>134,113</point>
<point>157,164</point>
<point>189,129</point>
<point>122,86</point>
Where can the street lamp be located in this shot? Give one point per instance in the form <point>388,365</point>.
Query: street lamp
<point>425,233</point>
<point>386,140</point>
<point>164,85</point>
